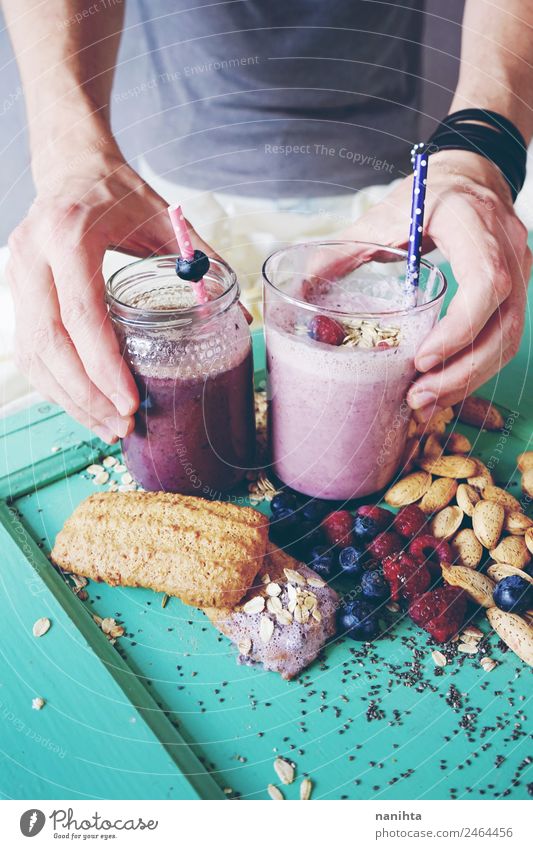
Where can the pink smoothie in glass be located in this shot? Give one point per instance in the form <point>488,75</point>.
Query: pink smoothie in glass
<point>337,415</point>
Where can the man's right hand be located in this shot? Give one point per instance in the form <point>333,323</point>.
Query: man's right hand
<point>65,343</point>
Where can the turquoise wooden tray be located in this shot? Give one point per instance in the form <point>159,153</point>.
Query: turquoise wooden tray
<point>167,713</point>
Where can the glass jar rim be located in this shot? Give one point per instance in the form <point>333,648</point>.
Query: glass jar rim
<point>179,316</point>
<point>399,252</point>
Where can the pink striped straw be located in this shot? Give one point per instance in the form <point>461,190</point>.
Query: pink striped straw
<point>179,225</point>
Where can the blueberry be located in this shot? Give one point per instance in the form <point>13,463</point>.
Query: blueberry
<point>374,586</point>
<point>350,560</point>
<point>283,501</point>
<point>513,594</point>
<point>365,528</point>
<point>315,510</point>
<point>284,525</point>
<point>192,269</point>
<point>321,561</point>
<point>307,537</point>
<point>358,621</point>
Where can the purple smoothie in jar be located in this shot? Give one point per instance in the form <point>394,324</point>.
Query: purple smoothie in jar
<point>194,430</point>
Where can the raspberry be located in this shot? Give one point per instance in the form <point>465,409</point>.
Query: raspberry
<point>326,330</point>
<point>409,521</point>
<point>384,544</point>
<point>441,612</point>
<point>338,527</point>
<point>381,517</point>
<point>406,577</point>
<point>426,547</point>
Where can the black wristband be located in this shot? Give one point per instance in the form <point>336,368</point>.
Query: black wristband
<point>500,142</point>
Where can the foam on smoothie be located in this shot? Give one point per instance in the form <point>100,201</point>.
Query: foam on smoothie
<point>214,346</point>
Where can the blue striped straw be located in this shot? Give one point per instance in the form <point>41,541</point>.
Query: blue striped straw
<point>419,159</point>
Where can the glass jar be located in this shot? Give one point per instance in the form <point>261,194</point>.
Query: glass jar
<point>340,359</point>
<point>194,430</point>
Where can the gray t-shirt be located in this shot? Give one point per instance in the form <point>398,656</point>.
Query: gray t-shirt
<point>278,98</point>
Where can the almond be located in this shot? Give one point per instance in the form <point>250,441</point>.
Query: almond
<point>524,461</point>
<point>449,466</point>
<point>481,478</point>
<point>411,428</point>
<point>498,571</point>
<point>528,539</point>
<point>478,586</point>
<point>439,495</point>
<point>487,521</point>
<point>512,550</point>
<point>410,451</point>
<point>517,523</point>
<point>467,548</point>
<point>436,424</point>
<point>480,413</point>
<point>527,483</point>
<point>514,631</point>
<point>432,446</point>
<point>467,497</point>
<point>501,496</point>
<point>447,522</point>
<point>458,443</point>
<point>408,489</point>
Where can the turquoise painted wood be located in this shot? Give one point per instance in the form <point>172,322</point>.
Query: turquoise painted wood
<point>167,713</point>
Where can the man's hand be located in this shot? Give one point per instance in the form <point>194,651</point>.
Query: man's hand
<point>469,216</point>
<point>64,340</point>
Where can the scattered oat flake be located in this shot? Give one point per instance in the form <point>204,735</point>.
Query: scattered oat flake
<point>284,770</point>
<point>273,589</point>
<point>438,658</point>
<point>126,478</point>
<point>266,628</point>
<point>316,582</point>
<point>274,605</point>
<point>94,469</point>
<point>488,664</point>
<point>306,788</point>
<point>467,648</point>
<point>295,577</point>
<point>284,617</point>
<point>41,626</point>
<point>38,703</point>
<point>393,607</point>
<point>120,468</point>
<point>254,605</point>
<point>101,478</point>
<point>275,793</point>
<point>245,646</point>
<point>108,462</point>
<point>55,448</point>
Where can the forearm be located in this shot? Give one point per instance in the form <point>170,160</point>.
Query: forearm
<point>496,60</point>
<point>66,55</point>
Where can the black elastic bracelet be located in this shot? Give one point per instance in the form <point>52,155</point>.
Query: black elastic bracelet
<point>500,142</point>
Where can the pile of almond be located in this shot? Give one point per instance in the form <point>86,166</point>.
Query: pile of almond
<point>484,525</point>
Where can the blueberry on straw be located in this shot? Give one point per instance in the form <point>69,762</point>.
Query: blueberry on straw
<point>193,269</point>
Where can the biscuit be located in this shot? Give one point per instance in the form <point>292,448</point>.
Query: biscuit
<point>205,552</point>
